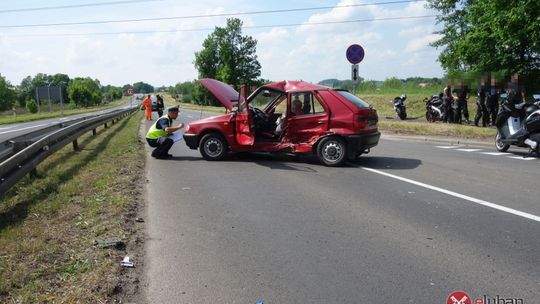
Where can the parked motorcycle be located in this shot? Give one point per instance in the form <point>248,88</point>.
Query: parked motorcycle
<point>434,108</point>
<point>518,125</point>
<point>399,106</point>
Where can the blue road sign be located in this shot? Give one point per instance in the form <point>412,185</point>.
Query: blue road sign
<point>355,53</point>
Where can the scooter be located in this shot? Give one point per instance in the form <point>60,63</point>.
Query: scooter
<point>399,106</point>
<point>434,108</point>
<point>518,125</point>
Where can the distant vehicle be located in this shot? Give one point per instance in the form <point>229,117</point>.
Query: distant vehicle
<point>287,116</point>
<point>434,108</point>
<point>154,103</point>
<point>399,106</point>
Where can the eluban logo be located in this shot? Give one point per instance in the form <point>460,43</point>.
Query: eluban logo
<point>458,297</point>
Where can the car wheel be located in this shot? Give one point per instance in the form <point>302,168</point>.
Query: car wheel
<point>213,147</point>
<point>332,151</point>
<point>499,145</point>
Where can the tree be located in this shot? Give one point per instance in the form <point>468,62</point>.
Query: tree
<point>84,92</point>
<point>141,87</point>
<point>228,56</point>
<point>7,94</point>
<point>489,36</point>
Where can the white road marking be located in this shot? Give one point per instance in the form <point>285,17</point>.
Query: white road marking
<point>469,150</point>
<point>458,195</point>
<point>20,129</point>
<point>446,147</point>
<point>6,128</point>
<point>496,153</point>
<point>522,158</point>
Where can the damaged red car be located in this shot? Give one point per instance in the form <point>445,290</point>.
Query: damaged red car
<point>286,116</point>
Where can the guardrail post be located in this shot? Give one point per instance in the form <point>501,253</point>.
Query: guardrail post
<point>33,172</point>
<point>112,122</point>
<point>106,126</point>
<point>94,132</point>
<point>75,145</point>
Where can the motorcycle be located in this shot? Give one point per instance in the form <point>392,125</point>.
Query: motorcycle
<point>399,106</point>
<point>518,125</point>
<point>434,108</point>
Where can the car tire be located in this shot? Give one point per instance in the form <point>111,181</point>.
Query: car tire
<point>499,145</point>
<point>213,147</point>
<point>332,151</point>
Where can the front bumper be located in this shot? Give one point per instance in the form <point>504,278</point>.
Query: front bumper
<point>192,140</point>
<point>358,143</point>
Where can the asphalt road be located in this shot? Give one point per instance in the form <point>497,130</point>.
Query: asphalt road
<point>410,222</point>
<point>8,131</point>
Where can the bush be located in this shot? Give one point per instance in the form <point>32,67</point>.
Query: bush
<point>31,106</point>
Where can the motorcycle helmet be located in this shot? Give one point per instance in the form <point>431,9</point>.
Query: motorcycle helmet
<point>403,97</point>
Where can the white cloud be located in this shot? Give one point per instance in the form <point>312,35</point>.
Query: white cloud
<point>309,52</point>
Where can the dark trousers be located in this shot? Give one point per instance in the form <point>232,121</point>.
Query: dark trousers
<point>447,111</point>
<point>160,112</point>
<point>161,145</point>
<point>481,113</point>
<point>493,110</point>
<point>461,108</point>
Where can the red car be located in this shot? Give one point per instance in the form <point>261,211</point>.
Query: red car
<point>286,116</point>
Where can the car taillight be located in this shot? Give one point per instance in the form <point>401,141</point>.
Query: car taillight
<point>365,120</point>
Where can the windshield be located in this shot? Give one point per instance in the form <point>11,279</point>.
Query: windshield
<point>354,99</point>
<point>264,98</point>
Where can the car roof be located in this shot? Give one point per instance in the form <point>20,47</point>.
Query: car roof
<point>291,86</point>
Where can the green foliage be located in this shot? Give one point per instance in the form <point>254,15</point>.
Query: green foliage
<point>228,56</point>
<point>141,87</point>
<point>84,92</point>
<point>31,106</point>
<point>392,83</point>
<point>486,36</point>
<point>112,93</point>
<point>7,94</point>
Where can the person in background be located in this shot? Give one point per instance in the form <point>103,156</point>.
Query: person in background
<point>481,110</point>
<point>447,101</point>
<point>462,94</point>
<point>160,105</point>
<point>492,103</point>
<point>158,135</point>
<point>297,107</point>
<point>147,103</point>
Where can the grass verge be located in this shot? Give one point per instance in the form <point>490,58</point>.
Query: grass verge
<point>48,223</point>
<point>7,117</point>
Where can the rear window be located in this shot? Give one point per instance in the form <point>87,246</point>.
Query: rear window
<point>354,99</point>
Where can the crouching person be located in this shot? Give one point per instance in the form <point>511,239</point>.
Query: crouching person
<point>160,134</point>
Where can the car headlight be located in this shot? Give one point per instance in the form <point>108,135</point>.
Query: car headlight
<point>187,128</point>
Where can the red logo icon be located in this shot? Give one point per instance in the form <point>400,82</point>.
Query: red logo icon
<point>458,297</point>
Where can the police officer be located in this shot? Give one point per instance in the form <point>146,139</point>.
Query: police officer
<point>481,110</point>
<point>462,96</point>
<point>158,136</point>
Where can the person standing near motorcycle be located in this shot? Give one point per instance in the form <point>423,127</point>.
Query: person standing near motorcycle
<point>481,110</point>
<point>447,101</point>
<point>492,103</point>
<point>462,94</point>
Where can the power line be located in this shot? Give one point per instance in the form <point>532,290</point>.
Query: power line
<point>18,10</point>
<point>210,29</point>
<point>206,16</point>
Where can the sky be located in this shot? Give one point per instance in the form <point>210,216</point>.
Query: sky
<point>163,54</point>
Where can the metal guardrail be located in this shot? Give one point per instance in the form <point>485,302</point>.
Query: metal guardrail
<point>39,146</point>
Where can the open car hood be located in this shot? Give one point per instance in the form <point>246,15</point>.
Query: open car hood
<point>223,92</point>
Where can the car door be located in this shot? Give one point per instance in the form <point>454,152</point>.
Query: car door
<point>245,132</point>
<point>311,122</point>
